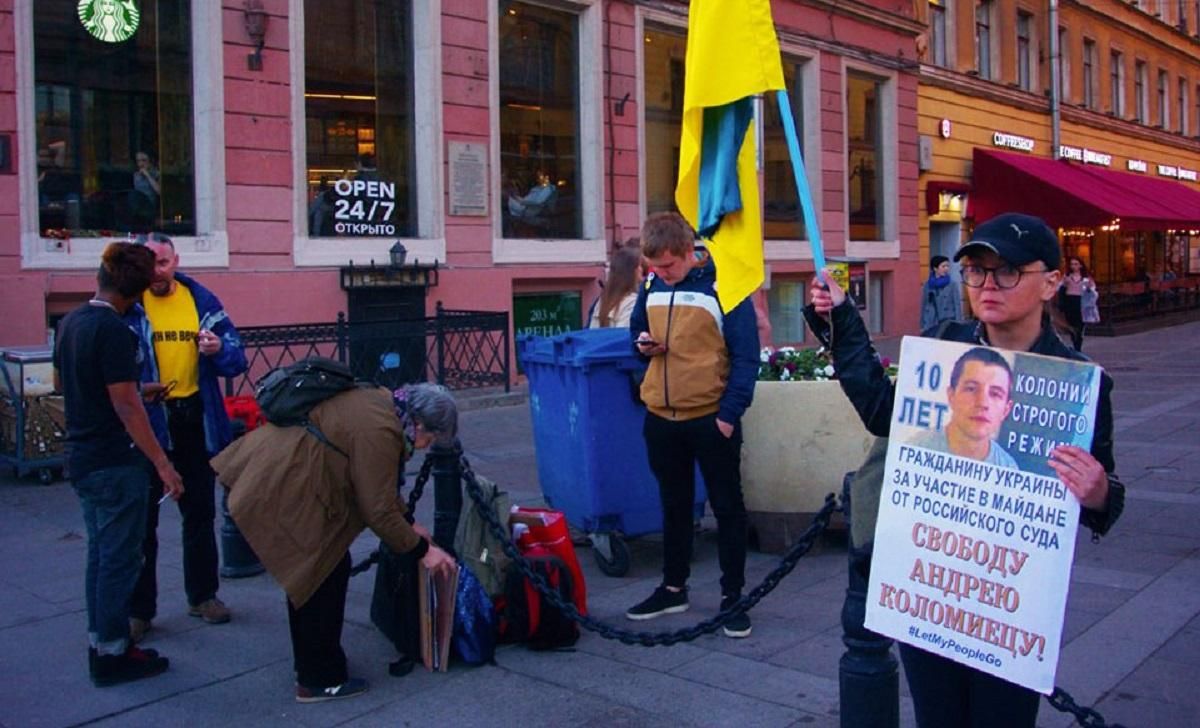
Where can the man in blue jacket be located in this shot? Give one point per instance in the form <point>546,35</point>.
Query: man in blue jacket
<point>188,342</point>
<point>703,365</point>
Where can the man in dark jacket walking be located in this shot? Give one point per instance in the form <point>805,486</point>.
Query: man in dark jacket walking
<point>703,365</point>
<point>187,342</point>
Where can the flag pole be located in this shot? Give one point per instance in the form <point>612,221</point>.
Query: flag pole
<point>808,210</point>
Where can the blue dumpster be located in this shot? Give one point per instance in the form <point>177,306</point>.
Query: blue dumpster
<point>587,432</point>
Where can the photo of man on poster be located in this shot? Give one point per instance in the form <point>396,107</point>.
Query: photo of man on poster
<point>980,399</point>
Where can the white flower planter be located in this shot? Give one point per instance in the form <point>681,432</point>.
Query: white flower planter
<point>800,439</point>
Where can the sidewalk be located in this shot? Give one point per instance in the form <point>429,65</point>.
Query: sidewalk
<point>1132,630</point>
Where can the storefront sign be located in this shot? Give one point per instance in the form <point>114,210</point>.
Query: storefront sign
<point>1188,174</point>
<point>468,179</point>
<point>1166,170</point>
<point>1012,141</point>
<point>363,207</point>
<point>546,314</point>
<point>944,128</point>
<point>1136,165</point>
<point>851,275</point>
<point>111,21</point>
<point>1082,154</point>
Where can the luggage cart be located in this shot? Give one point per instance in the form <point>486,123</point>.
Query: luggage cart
<point>32,421</point>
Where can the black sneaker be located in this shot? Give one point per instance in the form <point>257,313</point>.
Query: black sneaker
<point>349,689</point>
<point>738,626</point>
<point>662,601</point>
<point>135,664</point>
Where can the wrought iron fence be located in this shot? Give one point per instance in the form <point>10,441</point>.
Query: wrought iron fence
<point>460,349</point>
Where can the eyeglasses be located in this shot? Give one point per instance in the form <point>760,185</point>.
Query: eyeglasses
<point>1005,276</point>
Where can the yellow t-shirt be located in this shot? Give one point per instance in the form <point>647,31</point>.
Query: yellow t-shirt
<point>175,324</point>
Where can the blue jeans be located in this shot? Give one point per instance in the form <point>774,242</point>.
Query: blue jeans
<point>114,513</point>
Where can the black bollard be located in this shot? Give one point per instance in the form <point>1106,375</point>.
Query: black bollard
<point>447,492</point>
<point>239,559</point>
<point>868,680</point>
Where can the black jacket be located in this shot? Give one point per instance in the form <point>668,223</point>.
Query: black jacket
<point>869,389</point>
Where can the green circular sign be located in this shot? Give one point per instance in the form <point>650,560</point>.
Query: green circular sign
<point>111,21</point>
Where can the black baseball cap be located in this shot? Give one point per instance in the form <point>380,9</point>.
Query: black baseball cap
<point>1018,239</point>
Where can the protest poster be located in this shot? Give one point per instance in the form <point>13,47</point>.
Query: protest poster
<point>976,533</point>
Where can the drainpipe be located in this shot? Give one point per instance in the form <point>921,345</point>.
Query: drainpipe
<point>1055,82</point>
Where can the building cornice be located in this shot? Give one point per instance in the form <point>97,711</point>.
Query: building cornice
<point>973,86</point>
<point>844,8</point>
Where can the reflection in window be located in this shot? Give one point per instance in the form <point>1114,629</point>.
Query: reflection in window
<point>113,121</point>
<point>539,122</point>
<point>785,302</point>
<point>781,199</point>
<point>864,157</point>
<point>358,117</point>
<point>663,59</point>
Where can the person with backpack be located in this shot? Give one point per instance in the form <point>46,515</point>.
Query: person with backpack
<point>941,299</point>
<point>302,492</point>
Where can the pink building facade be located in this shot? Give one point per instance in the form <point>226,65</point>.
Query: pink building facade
<point>511,143</point>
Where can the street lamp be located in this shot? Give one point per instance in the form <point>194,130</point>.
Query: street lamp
<point>397,255</point>
<point>255,19</point>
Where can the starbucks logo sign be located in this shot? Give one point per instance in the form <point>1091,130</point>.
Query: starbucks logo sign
<point>111,21</point>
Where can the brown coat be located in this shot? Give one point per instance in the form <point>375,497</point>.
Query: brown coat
<point>300,504</point>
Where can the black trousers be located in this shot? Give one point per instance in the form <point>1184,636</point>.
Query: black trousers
<point>189,455</point>
<point>1072,308</point>
<point>948,694</point>
<point>674,448</point>
<point>317,631</point>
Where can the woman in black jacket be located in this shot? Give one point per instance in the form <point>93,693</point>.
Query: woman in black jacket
<point>1011,269</point>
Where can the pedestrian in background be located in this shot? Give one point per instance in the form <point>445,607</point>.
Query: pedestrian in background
<point>109,439</point>
<point>941,299</point>
<point>626,270</point>
<point>702,367</point>
<point>1011,269</point>
<point>188,342</point>
<point>1070,298</point>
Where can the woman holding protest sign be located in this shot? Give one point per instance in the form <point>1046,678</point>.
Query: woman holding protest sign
<point>1011,269</point>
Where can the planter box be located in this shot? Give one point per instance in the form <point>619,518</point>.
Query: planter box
<point>800,439</point>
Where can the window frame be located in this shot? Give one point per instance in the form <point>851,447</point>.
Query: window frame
<point>889,145</point>
<point>1089,73</point>
<point>1183,105</point>
<point>940,38</point>
<point>209,247</point>
<point>430,243</point>
<point>1025,55</point>
<point>985,61</point>
<point>591,246</point>
<point>1164,102</point>
<point>810,146</point>
<point>1064,64</point>
<point>1116,82</point>
<point>1141,75</point>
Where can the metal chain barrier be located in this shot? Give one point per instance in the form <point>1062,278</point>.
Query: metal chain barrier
<point>1062,701</point>
<point>413,497</point>
<point>646,639</point>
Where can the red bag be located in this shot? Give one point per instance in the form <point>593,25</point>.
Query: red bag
<point>548,534</point>
<point>244,407</point>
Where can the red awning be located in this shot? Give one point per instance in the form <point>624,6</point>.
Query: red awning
<point>1070,194</point>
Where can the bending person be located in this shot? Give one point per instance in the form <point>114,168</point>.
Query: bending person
<point>329,493</point>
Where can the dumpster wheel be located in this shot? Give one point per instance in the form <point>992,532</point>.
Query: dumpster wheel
<point>611,552</point>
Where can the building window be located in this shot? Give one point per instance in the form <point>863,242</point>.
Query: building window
<point>983,38</point>
<point>1139,92</point>
<point>1024,51</point>
<point>781,199</point>
<point>359,119</point>
<point>663,58</point>
<point>937,31</point>
<point>1164,109</point>
<point>539,122</point>
<point>1064,64</point>
<point>1182,105</point>
<point>875,322</point>
<point>785,302</point>
<point>1116,84</point>
<point>114,119</point>
<point>864,131</point>
<point>1089,73</point>
<point>1197,97</point>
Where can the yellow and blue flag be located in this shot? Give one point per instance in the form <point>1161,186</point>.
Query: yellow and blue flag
<point>732,56</point>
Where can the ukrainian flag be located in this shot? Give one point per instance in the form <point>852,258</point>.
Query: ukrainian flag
<point>732,56</point>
